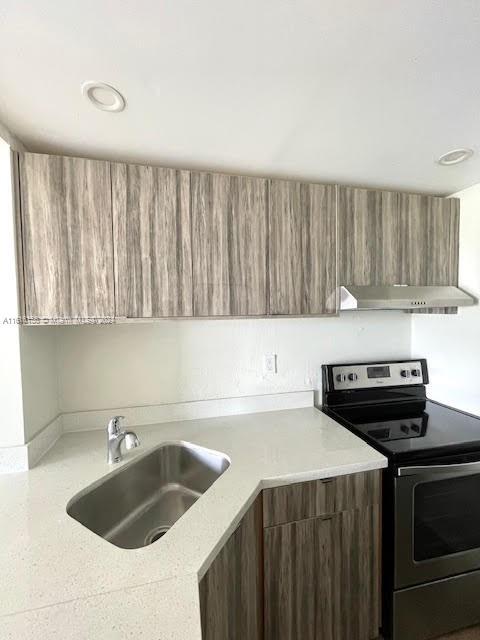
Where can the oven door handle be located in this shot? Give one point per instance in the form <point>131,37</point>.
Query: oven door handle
<point>441,468</point>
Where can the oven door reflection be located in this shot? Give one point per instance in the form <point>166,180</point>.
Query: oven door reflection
<point>437,522</point>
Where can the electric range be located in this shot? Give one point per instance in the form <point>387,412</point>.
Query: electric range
<point>431,489</point>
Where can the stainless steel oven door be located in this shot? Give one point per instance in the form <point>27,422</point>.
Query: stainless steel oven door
<point>437,522</point>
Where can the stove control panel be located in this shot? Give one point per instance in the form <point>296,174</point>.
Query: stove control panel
<point>368,376</point>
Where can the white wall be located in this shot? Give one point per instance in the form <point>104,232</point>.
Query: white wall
<point>28,375</point>
<point>11,424</point>
<point>102,367</point>
<point>39,378</point>
<point>452,343</point>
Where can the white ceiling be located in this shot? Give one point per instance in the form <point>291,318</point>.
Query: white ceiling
<point>366,92</point>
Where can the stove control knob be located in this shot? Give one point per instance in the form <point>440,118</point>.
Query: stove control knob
<point>341,377</point>
<point>415,427</point>
<point>405,373</point>
<point>415,373</point>
<point>404,428</point>
<point>352,377</point>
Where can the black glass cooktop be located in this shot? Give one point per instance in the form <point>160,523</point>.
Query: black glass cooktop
<point>413,429</point>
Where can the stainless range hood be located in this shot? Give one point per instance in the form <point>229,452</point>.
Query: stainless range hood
<point>402,297</point>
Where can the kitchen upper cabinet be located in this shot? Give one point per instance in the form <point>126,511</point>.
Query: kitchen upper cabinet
<point>66,229</point>
<point>388,238</point>
<point>103,240</point>
<point>302,248</point>
<point>432,230</point>
<point>231,592</point>
<point>152,231</point>
<point>229,226</point>
<point>371,238</point>
<point>432,227</point>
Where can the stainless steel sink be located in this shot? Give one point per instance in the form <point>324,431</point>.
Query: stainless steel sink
<point>137,504</point>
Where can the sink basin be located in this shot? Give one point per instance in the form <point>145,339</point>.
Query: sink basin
<point>136,505</point>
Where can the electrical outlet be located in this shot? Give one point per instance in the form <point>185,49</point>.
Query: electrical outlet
<point>270,363</point>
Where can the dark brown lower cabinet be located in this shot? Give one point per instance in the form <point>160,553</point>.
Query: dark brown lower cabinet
<point>322,577</point>
<point>314,577</point>
<point>231,592</point>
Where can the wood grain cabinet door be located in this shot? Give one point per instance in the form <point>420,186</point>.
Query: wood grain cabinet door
<point>153,259</point>
<point>388,238</point>
<point>431,251</point>
<point>431,227</point>
<point>370,238</point>
<point>302,251</point>
<point>322,578</point>
<point>231,592</point>
<point>66,219</point>
<point>300,580</point>
<point>229,225</point>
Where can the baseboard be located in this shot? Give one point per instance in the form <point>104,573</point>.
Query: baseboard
<point>44,440</point>
<point>26,456</point>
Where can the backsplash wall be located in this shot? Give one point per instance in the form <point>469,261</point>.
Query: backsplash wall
<point>39,378</point>
<point>101,367</point>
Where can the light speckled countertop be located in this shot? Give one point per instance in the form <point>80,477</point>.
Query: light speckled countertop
<point>61,580</point>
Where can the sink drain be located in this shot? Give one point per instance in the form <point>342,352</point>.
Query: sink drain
<point>156,534</point>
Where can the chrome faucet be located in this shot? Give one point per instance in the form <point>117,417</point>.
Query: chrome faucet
<point>115,438</point>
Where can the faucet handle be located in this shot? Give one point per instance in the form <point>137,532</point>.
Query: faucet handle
<point>114,424</point>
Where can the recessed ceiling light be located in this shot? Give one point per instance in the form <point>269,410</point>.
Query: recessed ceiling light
<point>103,96</point>
<point>455,157</point>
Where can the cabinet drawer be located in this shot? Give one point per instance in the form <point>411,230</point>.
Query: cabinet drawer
<point>320,497</point>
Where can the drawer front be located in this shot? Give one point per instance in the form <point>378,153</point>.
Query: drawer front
<point>320,497</point>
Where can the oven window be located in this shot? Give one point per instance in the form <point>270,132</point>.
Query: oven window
<point>446,517</point>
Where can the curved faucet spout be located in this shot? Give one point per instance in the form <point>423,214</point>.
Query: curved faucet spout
<point>115,437</point>
<point>131,440</point>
